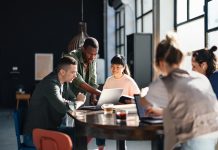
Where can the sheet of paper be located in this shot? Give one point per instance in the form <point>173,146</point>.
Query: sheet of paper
<point>79,103</point>
<point>131,108</point>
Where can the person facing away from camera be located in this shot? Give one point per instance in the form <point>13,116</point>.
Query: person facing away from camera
<point>204,61</point>
<point>185,99</point>
<point>120,79</point>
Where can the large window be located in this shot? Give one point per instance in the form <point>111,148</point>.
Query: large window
<point>212,24</point>
<point>190,26</point>
<point>120,31</point>
<point>197,25</point>
<point>144,16</point>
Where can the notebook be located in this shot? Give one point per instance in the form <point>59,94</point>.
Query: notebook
<point>125,97</point>
<point>141,113</point>
<point>108,96</point>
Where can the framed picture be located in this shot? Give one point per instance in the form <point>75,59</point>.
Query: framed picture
<point>43,65</point>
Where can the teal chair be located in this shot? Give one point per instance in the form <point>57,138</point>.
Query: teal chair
<point>18,123</point>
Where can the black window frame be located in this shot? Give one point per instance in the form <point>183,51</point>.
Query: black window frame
<point>207,30</point>
<point>205,16</point>
<point>118,31</point>
<point>141,16</point>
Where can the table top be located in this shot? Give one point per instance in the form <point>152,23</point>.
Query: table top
<point>22,95</point>
<point>98,124</point>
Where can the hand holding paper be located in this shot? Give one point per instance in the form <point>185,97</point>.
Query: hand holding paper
<point>144,91</point>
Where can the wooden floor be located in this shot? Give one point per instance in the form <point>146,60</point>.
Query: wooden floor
<point>8,138</point>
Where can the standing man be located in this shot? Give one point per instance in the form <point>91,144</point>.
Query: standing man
<point>86,80</point>
<point>47,106</point>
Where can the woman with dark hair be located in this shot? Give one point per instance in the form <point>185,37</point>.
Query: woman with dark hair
<point>204,61</point>
<point>120,79</point>
<point>185,99</point>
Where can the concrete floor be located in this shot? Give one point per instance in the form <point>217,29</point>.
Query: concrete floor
<point>8,137</point>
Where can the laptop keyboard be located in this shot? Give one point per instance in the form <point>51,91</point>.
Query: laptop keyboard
<point>94,108</point>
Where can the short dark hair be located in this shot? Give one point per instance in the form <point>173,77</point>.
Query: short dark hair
<point>64,62</point>
<point>205,55</point>
<point>90,41</point>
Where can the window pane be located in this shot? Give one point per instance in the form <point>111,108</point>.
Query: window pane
<point>189,42</point>
<point>196,8</point>
<point>213,40</point>
<point>117,20</point>
<point>195,40</point>
<point>118,37</point>
<point>212,14</point>
<point>122,36</point>
<point>147,5</point>
<point>122,17</point>
<point>139,25</point>
<point>138,8</point>
<point>147,23</point>
<point>118,50</point>
<point>181,11</point>
<point>122,50</point>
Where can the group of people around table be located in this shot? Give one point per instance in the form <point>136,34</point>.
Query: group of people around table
<point>186,99</point>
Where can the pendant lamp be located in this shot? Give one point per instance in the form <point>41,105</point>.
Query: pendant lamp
<point>78,40</point>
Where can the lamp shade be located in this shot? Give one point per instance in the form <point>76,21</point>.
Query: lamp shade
<point>78,40</point>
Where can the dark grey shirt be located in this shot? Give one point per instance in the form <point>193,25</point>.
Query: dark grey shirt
<point>46,108</point>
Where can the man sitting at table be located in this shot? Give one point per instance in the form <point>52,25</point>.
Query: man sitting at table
<point>47,106</point>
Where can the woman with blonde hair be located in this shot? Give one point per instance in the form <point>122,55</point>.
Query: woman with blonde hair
<point>185,99</point>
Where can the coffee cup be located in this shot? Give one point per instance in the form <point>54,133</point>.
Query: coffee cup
<point>108,108</point>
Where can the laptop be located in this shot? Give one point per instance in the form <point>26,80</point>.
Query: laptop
<point>141,113</point>
<point>108,96</point>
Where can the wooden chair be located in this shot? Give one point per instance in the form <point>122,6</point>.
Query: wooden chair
<point>23,97</point>
<point>51,140</point>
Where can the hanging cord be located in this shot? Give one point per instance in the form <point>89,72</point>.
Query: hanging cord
<point>82,10</point>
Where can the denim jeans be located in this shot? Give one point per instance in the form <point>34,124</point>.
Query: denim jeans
<point>200,144</point>
<point>28,140</point>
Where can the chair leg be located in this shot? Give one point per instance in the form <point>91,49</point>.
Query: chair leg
<point>17,103</point>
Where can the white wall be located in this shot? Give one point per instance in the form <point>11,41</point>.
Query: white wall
<point>130,16</point>
<point>129,19</point>
<point>110,37</point>
<point>166,17</point>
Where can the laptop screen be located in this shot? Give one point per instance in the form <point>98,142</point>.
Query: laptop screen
<point>140,109</point>
<point>110,96</point>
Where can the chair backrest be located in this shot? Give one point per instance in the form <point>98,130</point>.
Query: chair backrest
<point>51,140</point>
<point>18,123</point>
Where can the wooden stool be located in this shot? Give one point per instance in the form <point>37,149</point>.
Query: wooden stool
<point>23,97</point>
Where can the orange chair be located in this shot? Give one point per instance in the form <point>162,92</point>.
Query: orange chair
<point>51,140</point>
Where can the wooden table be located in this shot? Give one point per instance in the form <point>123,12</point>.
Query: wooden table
<point>22,97</point>
<point>97,124</point>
